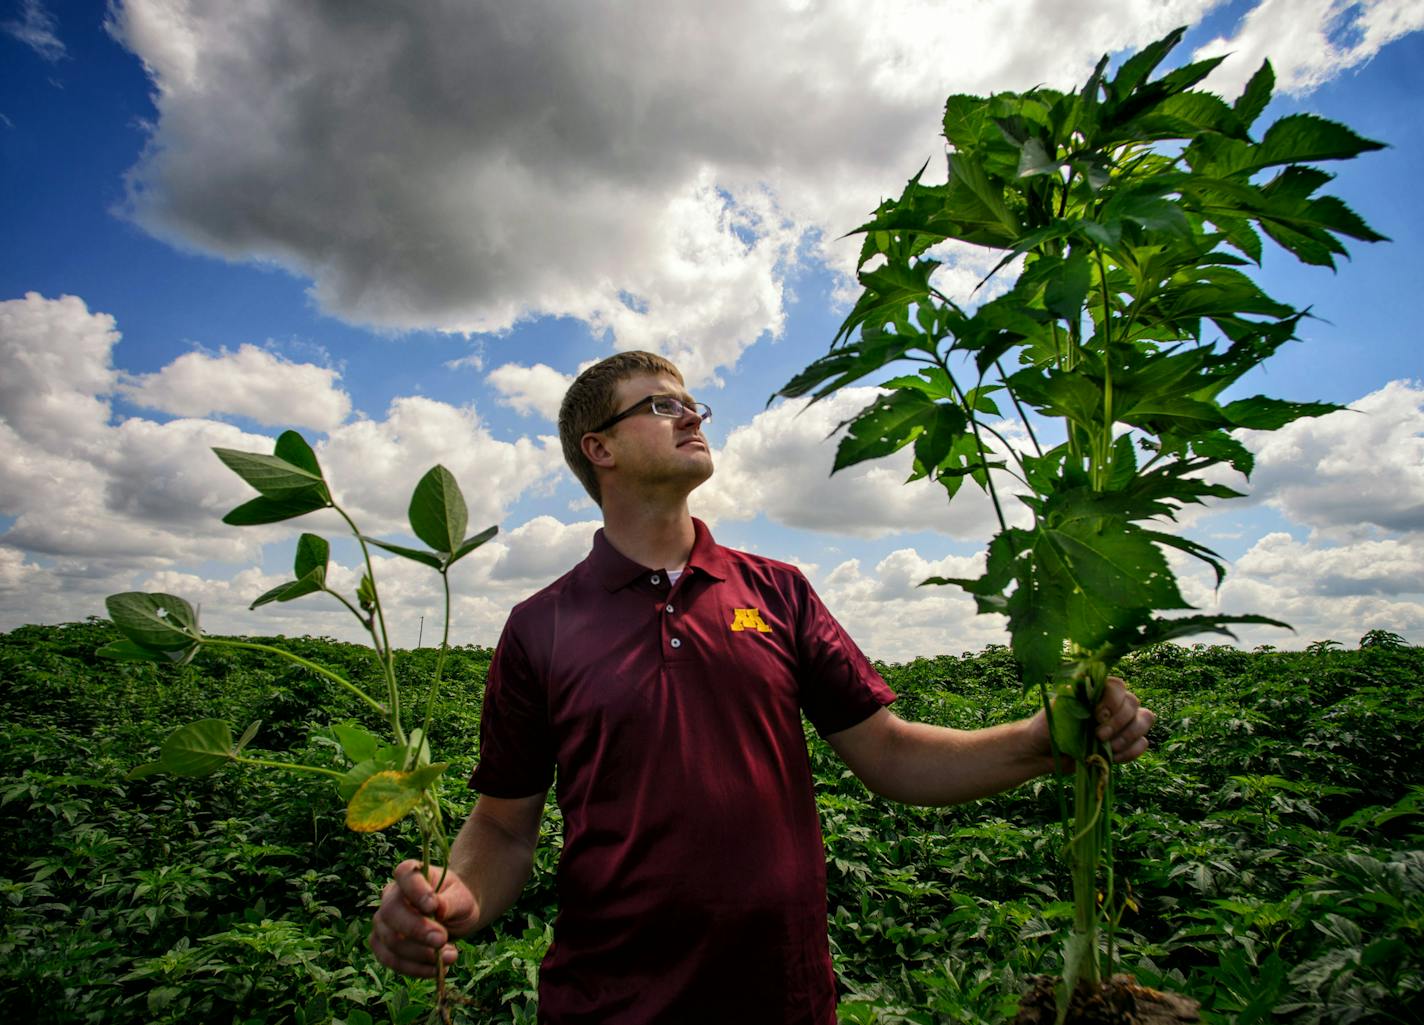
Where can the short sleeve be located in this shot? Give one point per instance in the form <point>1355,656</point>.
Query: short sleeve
<point>839,686</point>
<point>516,751</point>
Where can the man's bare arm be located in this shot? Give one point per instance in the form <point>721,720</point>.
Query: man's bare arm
<point>490,862</point>
<point>916,763</point>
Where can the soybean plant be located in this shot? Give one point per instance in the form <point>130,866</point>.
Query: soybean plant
<point>388,779</point>
<point>1133,209</point>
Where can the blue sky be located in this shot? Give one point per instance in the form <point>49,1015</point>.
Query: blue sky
<point>402,234</point>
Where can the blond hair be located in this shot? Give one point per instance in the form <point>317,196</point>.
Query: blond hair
<point>592,399</point>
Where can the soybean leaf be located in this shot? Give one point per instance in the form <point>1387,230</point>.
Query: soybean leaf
<point>197,749</point>
<point>293,448</point>
<point>471,543</point>
<point>415,554</point>
<point>158,622</point>
<point>356,742</point>
<point>270,475</point>
<point>437,510</point>
<point>385,758</point>
<point>128,651</point>
<point>248,734</point>
<point>274,510</point>
<point>313,552</point>
<point>309,584</point>
<point>387,797</point>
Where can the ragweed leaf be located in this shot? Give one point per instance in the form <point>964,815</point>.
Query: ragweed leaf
<point>387,797</point>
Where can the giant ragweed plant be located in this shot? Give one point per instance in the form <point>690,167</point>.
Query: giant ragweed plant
<point>1134,208</point>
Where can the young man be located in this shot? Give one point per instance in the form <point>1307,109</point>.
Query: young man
<point>660,685</point>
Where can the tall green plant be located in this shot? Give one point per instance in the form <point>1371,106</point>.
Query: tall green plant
<point>387,781</point>
<point>1132,204</point>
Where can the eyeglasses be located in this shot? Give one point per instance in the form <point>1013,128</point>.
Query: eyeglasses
<point>659,405</point>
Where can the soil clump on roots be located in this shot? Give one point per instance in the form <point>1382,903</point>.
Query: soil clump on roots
<point>1119,1001</point>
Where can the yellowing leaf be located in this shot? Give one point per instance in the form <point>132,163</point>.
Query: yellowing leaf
<point>387,797</point>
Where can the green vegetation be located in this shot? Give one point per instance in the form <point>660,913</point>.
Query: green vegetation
<point>1134,209</point>
<point>381,783</point>
<point>1271,845</point>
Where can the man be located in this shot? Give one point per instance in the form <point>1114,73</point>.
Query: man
<point>660,686</point>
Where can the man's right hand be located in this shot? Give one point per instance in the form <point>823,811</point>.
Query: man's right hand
<point>414,925</point>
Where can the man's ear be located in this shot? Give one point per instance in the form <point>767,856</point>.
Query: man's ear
<point>595,451</point>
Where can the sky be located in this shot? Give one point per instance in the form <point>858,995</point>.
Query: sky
<point>402,229</point>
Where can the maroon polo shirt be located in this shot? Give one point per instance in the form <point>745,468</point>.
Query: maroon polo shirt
<point>692,884</point>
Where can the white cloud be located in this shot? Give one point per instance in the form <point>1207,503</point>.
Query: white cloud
<point>38,29</point>
<point>541,550</point>
<point>639,167</point>
<point>1355,471</point>
<point>56,356</point>
<point>893,619</point>
<point>1309,42</point>
<point>96,504</point>
<point>779,465</point>
<point>537,389</point>
<point>250,382</point>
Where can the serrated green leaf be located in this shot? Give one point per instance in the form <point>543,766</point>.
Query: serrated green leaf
<point>889,423</point>
<point>388,796</point>
<point>274,510</point>
<point>1303,138</point>
<point>1262,413</point>
<point>1068,286</point>
<point>414,554</point>
<point>438,514</point>
<point>158,622</point>
<point>1256,95</point>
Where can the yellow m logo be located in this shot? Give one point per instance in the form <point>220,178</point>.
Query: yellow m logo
<point>750,619</point>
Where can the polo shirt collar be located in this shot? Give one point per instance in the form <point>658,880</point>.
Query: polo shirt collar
<point>615,571</point>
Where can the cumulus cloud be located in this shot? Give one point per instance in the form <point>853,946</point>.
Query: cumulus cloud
<point>38,29</point>
<point>1358,470</point>
<point>537,389</point>
<point>639,167</point>
<point>894,619</point>
<point>250,382</point>
<point>779,465</point>
<point>1309,42</point>
<point>93,503</point>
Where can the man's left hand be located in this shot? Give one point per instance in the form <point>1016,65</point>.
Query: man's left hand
<point>1122,721</point>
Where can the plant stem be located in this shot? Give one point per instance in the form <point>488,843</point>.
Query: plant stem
<point>440,659</point>
<point>383,647</point>
<point>294,766</point>
<point>301,662</point>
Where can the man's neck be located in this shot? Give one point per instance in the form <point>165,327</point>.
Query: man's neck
<point>652,536</point>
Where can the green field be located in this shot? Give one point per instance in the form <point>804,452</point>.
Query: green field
<point>1273,843</point>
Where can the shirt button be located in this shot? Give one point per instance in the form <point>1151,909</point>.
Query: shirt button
<point>657,579</point>
<point>668,609</point>
<point>675,643</point>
